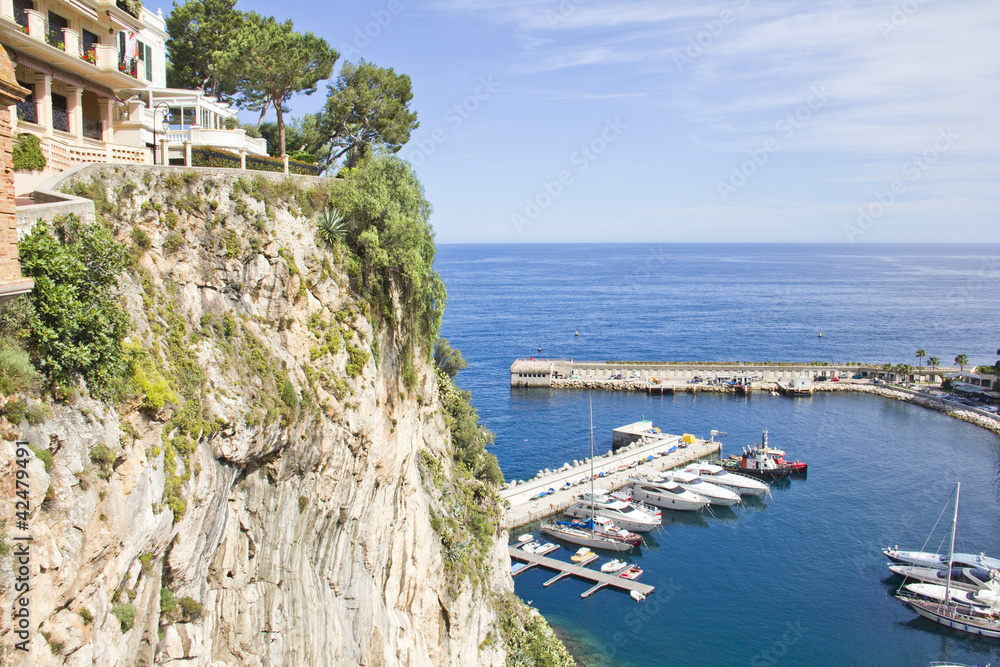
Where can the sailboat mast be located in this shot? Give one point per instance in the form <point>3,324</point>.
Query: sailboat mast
<point>951,549</point>
<point>592,501</point>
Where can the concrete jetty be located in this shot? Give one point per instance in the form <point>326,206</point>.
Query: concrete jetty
<point>525,508</point>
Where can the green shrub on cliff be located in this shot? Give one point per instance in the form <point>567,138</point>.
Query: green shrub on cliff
<point>74,324</point>
<point>392,248</point>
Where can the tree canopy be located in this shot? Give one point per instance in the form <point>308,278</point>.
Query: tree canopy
<point>199,31</point>
<point>270,62</point>
<point>448,358</point>
<point>366,106</point>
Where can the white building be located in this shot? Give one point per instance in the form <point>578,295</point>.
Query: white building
<point>96,70</point>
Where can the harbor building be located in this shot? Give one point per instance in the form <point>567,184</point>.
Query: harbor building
<point>538,372</point>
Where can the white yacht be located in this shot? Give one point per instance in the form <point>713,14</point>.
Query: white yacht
<point>625,514</point>
<point>716,495</point>
<point>962,578</point>
<point>985,597</point>
<point>929,559</point>
<point>741,484</point>
<point>668,495</point>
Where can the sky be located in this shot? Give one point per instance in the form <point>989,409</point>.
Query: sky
<point>688,121</point>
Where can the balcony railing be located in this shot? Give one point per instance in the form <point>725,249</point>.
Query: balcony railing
<point>27,111</point>
<point>128,65</point>
<point>21,18</point>
<point>93,129</point>
<point>60,119</point>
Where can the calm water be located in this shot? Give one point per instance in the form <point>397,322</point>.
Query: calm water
<point>797,579</point>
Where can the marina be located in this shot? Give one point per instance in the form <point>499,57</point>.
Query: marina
<point>553,491</point>
<point>599,579</point>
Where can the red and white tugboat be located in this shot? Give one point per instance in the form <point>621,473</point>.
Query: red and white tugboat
<point>757,462</point>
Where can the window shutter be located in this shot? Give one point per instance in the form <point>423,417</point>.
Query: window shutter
<point>121,45</point>
<point>149,63</point>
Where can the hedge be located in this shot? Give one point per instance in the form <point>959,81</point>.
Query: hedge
<point>28,153</point>
<point>204,156</point>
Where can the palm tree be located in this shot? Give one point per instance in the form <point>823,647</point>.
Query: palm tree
<point>921,354</point>
<point>961,360</point>
<point>934,362</point>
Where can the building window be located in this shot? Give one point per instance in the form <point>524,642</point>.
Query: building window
<point>55,36</point>
<point>60,114</point>
<point>21,8</point>
<point>27,110</point>
<point>93,129</point>
<point>149,63</point>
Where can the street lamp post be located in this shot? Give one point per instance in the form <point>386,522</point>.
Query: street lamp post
<point>165,126</point>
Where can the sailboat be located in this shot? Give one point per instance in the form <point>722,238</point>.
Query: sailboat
<point>983,621</point>
<point>588,536</point>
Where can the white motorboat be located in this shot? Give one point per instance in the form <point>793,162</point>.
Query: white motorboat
<point>741,484</point>
<point>613,566</point>
<point>691,482</point>
<point>668,495</point>
<point>625,514</point>
<point>962,578</point>
<point>929,559</point>
<point>976,620</point>
<point>539,549</point>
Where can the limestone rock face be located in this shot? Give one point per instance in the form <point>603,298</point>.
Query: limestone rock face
<point>305,538</point>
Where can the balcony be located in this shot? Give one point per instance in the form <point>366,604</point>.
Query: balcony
<point>233,140</point>
<point>29,32</point>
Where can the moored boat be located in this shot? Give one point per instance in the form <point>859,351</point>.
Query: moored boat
<point>756,462</point>
<point>716,495</point>
<point>668,495</point>
<point>976,620</point>
<point>632,573</point>
<point>741,484</point>
<point>984,597</point>
<point>625,514</point>
<point>930,559</point>
<point>613,566</point>
<point>962,578</point>
<point>588,538</point>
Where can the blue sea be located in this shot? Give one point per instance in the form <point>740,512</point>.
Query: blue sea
<point>797,579</point>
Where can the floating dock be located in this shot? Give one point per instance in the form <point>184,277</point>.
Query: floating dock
<point>599,579</point>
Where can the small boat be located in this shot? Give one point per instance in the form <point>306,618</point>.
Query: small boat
<point>582,554</point>
<point>668,495</point>
<point>741,484</point>
<point>716,495</point>
<point>613,566</point>
<point>632,573</point>
<point>975,620</point>
<point>962,578</point>
<point>603,526</point>
<point>798,467</point>
<point>929,559</point>
<point>637,596</point>
<point>527,537</point>
<point>539,549</point>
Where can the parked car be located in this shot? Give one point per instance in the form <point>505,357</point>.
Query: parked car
<point>858,376</point>
<point>835,379</point>
<point>820,378</point>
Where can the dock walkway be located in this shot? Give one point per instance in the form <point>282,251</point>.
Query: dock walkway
<point>599,579</point>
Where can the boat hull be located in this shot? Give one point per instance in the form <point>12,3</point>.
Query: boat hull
<point>767,474</point>
<point>584,539</point>
<point>928,559</point>
<point>931,611</point>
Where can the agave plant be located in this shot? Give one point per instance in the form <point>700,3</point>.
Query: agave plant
<point>332,226</point>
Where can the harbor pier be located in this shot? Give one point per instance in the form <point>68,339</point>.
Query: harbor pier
<point>600,579</point>
<point>652,453</point>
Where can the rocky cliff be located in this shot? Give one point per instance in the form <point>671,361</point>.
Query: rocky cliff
<point>277,485</point>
